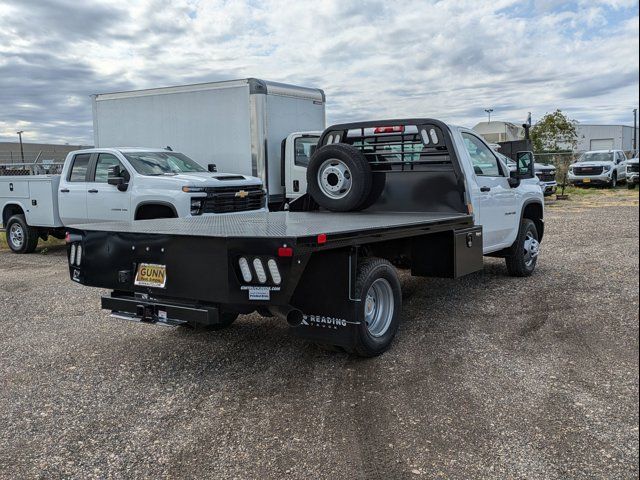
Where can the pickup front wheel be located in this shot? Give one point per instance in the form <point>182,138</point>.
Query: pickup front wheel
<point>21,238</point>
<point>522,260</point>
<point>380,295</point>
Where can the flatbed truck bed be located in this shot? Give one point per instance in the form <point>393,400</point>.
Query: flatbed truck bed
<point>295,226</point>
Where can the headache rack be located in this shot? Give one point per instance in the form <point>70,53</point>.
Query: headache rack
<point>397,145</point>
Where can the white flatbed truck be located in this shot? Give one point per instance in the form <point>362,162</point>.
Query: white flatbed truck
<point>446,201</point>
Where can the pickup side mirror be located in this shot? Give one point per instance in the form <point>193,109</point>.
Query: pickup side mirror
<point>117,178</point>
<point>212,167</point>
<point>525,165</point>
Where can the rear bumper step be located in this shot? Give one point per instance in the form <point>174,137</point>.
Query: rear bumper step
<point>152,311</point>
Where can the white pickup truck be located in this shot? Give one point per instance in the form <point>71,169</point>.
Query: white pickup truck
<point>117,184</point>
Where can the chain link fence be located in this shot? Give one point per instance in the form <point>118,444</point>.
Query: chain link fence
<point>44,167</point>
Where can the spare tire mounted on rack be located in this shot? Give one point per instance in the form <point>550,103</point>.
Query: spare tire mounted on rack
<point>339,177</point>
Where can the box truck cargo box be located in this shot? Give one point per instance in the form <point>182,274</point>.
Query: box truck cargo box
<point>238,125</point>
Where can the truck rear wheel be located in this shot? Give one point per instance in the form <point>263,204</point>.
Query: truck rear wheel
<point>380,294</point>
<point>631,185</point>
<point>339,177</point>
<point>21,238</point>
<point>522,260</point>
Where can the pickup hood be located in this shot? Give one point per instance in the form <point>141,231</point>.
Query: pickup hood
<point>633,161</point>
<point>211,179</point>
<point>592,164</point>
<point>544,167</point>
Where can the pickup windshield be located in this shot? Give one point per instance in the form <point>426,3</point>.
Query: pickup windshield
<point>597,157</point>
<point>161,163</point>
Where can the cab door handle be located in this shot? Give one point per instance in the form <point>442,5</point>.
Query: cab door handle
<point>485,189</point>
<point>93,190</point>
<point>64,190</point>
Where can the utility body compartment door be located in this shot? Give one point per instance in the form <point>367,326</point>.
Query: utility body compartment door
<point>450,254</point>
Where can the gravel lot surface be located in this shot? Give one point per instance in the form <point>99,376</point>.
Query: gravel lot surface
<point>489,377</point>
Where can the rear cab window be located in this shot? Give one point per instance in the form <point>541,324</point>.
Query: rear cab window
<point>78,171</point>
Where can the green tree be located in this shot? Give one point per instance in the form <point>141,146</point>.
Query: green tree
<point>554,132</point>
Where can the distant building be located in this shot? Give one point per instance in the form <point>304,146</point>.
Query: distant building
<point>10,152</point>
<point>495,132</point>
<point>604,137</point>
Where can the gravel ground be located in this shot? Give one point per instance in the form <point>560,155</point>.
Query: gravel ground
<point>489,377</point>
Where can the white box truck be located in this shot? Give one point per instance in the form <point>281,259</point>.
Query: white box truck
<point>243,126</point>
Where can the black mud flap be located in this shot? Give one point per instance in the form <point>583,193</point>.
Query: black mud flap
<point>325,295</point>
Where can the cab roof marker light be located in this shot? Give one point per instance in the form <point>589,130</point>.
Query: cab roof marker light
<point>259,268</point>
<point>273,270</point>
<point>245,270</point>
<point>322,239</point>
<point>394,129</point>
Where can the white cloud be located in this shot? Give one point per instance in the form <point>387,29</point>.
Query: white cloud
<point>374,59</point>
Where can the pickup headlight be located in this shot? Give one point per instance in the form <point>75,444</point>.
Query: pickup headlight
<point>193,189</point>
<point>571,170</point>
<point>606,168</point>
<point>552,172</point>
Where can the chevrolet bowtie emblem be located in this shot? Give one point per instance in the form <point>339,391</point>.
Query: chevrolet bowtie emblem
<point>242,194</point>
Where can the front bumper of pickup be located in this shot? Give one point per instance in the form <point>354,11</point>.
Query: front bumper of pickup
<point>602,179</point>
<point>633,178</point>
<point>549,188</point>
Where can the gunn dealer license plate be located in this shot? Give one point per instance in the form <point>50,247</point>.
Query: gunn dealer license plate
<point>586,180</point>
<point>151,275</point>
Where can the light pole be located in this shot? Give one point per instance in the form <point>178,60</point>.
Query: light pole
<point>21,150</point>
<point>489,110</point>
<point>635,129</point>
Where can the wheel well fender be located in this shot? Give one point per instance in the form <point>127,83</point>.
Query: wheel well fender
<point>9,211</point>
<point>149,210</point>
<point>534,211</point>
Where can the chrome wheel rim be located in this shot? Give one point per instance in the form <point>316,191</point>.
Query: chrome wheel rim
<point>378,307</point>
<point>531,249</point>
<point>16,235</point>
<point>334,178</point>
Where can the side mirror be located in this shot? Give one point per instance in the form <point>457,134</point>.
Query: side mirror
<point>116,178</point>
<point>212,167</point>
<point>514,181</point>
<point>525,165</point>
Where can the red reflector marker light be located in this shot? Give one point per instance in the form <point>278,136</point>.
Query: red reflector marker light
<point>285,252</point>
<point>396,129</point>
<point>322,238</point>
<point>67,237</point>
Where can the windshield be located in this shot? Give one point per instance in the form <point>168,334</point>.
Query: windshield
<point>160,163</point>
<point>597,157</point>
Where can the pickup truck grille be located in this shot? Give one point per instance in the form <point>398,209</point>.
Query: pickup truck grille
<point>633,168</point>
<point>546,177</point>
<point>587,170</point>
<point>233,199</point>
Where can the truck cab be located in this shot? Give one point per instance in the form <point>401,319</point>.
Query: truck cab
<point>126,184</point>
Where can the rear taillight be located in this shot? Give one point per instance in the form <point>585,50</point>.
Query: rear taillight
<point>75,254</point>
<point>245,270</point>
<point>274,272</point>
<point>259,269</point>
<point>72,254</point>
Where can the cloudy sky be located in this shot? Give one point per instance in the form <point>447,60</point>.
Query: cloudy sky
<point>373,58</point>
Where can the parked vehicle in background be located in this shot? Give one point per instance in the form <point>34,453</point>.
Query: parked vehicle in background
<point>430,197</point>
<point>633,172</point>
<point>546,174</point>
<point>243,126</point>
<point>599,167</point>
<point>117,184</point>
